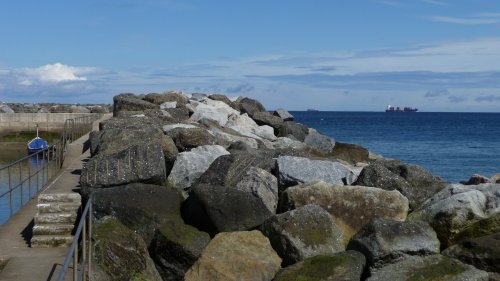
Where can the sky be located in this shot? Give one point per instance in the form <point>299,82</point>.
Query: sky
<point>338,55</point>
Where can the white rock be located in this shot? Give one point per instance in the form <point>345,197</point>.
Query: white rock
<point>170,127</point>
<point>166,105</point>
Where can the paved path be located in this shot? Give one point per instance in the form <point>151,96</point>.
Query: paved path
<point>25,263</point>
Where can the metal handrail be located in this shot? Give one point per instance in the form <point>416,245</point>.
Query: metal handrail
<point>84,231</point>
<point>51,160</point>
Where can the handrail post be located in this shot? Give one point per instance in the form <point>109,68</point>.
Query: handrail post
<point>84,246</point>
<point>89,261</point>
<point>75,263</point>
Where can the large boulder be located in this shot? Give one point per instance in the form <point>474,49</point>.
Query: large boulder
<point>120,254</point>
<point>298,170</point>
<point>141,207</point>
<point>213,110</point>
<point>250,106</point>
<point>188,138</point>
<point>319,141</point>
<point>266,118</point>
<point>135,123</point>
<point>482,252</point>
<point>484,227</point>
<point>216,208</point>
<point>190,165</point>
<point>435,267</point>
<point>176,247</point>
<point>302,233</point>
<point>293,130</point>
<point>138,163</point>
<point>5,109</point>
<point>453,209</point>
<point>414,182</point>
<point>171,96</point>
<point>236,256</point>
<point>351,153</point>
<point>352,207</point>
<point>262,184</point>
<point>126,102</point>
<point>223,99</point>
<point>283,114</point>
<point>384,241</point>
<point>475,180</point>
<point>246,126</point>
<point>345,266</point>
<point>226,139</point>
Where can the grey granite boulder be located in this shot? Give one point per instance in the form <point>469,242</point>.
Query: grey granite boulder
<point>141,207</point>
<point>130,123</point>
<point>482,252</point>
<point>283,114</point>
<point>176,247</point>
<point>168,105</point>
<point>293,130</point>
<point>352,207</point>
<point>190,165</point>
<point>302,233</point>
<point>188,138</point>
<point>138,163</point>
<point>453,209</point>
<point>5,109</point>
<point>297,170</point>
<point>120,254</point>
<point>170,96</point>
<point>213,110</point>
<point>125,102</point>
<point>266,118</point>
<point>236,256</point>
<point>384,241</point>
<point>475,180</point>
<point>319,141</point>
<point>414,182</point>
<point>250,106</point>
<point>216,208</point>
<point>435,267</point>
<point>246,126</point>
<point>262,184</point>
<point>223,99</point>
<point>345,266</point>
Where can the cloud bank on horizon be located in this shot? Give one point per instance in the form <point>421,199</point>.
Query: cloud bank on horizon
<point>458,73</point>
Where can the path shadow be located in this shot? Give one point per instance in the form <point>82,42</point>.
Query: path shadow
<point>55,271</point>
<point>27,232</point>
<point>77,172</point>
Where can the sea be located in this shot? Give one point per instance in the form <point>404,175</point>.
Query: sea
<point>453,146</point>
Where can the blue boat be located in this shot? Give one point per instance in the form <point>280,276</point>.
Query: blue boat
<point>36,144</point>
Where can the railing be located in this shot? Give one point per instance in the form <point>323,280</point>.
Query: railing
<point>83,234</point>
<point>26,177</point>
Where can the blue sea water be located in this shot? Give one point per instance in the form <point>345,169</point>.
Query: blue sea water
<point>450,145</point>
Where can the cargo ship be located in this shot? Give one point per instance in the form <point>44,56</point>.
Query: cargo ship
<point>399,109</point>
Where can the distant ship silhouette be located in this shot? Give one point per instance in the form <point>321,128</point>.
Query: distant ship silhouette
<point>398,109</point>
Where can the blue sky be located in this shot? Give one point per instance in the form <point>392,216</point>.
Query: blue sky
<point>437,55</point>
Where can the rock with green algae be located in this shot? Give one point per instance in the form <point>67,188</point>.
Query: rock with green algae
<point>428,268</point>
<point>479,228</point>
<point>141,207</point>
<point>120,254</point>
<point>176,247</point>
<point>302,233</point>
<point>482,252</point>
<point>345,266</point>
<point>351,153</point>
<point>243,255</point>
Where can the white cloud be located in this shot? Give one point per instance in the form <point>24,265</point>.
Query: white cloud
<point>476,19</point>
<point>52,73</point>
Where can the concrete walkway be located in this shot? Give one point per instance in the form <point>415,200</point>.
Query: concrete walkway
<point>26,263</point>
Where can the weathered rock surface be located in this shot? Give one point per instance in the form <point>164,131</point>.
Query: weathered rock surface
<point>223,99</point>
<point>412,181</point>
<point>262,184</point>
<point>293,130</point>
<point>190,165</point>
<point>141,207</point>
<point>456,207</point>
<point>214,110</point>
<point>138,163</point>
<point>385,241</point>
<point>283,114</point>
<point>120,254</point>
<point>186,139</point>
<point>171,96</point>
<point>302,233</point>
<point>345,266</point>
<point>247,127</point>
<point>176,247</point>
<point>5,109</point>
<point>236,256</point>
<point>266,118</point>
<point>250,106</point>
<point>482,252</point>
<point>297,170</point>
<point>351,153</point>
<point>216,208</point>
<point>319,141</point>
<point>136,123</point>
<point>435,267</point>
<point>127,102</point>
<point>226,139</point>
<point>476,179</point>
<point>352,207</point>
<point>484,227</point>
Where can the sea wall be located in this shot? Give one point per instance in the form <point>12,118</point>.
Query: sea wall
<point>26,122</point>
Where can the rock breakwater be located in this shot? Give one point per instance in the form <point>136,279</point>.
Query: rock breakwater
<point>204,187</point>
